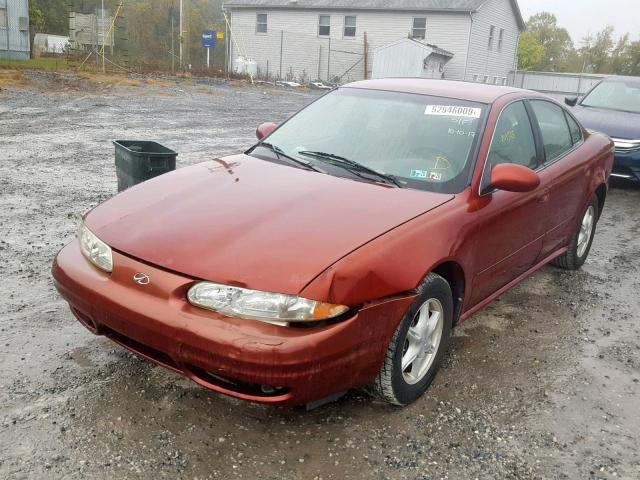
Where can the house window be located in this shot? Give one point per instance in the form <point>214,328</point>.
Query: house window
<point>324,25</point>
<point>349,26</point>
<point>419,29</point>
<point>3,18</point>
<point>501,39</point>
<point>261,23</point>
<point>492,34</point>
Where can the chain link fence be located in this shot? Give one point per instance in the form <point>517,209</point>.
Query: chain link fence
<point>281,55</point>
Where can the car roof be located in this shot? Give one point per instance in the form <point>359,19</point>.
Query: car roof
<point>470,91</point>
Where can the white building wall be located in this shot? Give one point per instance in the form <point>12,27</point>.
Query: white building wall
<point>305,53</point>
<point>401,59</point>
<point>493,63</point>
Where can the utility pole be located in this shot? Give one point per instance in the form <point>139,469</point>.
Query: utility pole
<point>173,52</point>
<point>102,21</point>
<point>366,55</point>
<point>181,30</point>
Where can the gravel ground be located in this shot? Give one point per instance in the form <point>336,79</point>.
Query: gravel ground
<point>544,383</point>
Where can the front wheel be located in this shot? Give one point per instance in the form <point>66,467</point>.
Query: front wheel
<point>582,239</point>
<point>418,344</point>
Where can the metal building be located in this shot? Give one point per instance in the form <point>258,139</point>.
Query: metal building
<point>14,29</point>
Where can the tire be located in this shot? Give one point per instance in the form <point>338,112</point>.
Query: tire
<point>402,387</point>
<point>578,251</point>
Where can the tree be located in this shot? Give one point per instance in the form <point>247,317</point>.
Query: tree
<point>53,15</point>
<point>597,50</point>
<point>555,40</point>
<point>632,62</point>
<point>530,52</point>
<point>36,18</point>
<point>620,55</point>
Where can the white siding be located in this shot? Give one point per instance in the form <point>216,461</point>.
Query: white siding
<point>493,63</point>
<point>407,58</point>
<point>304,53</point>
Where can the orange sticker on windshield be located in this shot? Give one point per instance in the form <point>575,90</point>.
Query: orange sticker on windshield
<point>452,111</point>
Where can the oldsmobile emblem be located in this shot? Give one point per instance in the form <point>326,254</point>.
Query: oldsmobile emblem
<point>141,278</point>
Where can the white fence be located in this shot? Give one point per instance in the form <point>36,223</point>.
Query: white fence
<point>556,85</point>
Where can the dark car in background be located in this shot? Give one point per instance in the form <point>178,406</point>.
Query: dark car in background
<point>613,107</point>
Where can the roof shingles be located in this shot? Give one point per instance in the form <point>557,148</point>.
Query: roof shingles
<point>457,5</point>
<point>407,5</point>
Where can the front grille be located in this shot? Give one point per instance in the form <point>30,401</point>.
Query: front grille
<point>143,350</point>
<point>626,146</point>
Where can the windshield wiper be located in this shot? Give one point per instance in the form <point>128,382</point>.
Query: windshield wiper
<point>280,155</point>
<point>352,166</point>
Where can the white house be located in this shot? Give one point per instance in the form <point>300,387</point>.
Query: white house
<point>336,40</point>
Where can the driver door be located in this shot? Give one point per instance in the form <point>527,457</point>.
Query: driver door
<point>510,226</point>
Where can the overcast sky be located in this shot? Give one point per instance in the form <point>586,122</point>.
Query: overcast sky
<point>582,16</point>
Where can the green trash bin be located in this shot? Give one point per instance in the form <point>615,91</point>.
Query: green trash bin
<point>139,160</point>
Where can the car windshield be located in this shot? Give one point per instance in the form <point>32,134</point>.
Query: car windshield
<point>417,141</point>
<point>620,95</point>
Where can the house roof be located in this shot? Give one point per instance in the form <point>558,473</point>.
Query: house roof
<point>433,49</point>
<point>408,5</point>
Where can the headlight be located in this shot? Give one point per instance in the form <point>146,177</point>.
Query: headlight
<point>269,307</point>
<point>96,251</point>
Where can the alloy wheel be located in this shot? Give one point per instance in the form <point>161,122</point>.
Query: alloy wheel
<point>422,341</point>
<point>586,230</point>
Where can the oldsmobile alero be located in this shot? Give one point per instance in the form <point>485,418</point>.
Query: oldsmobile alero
<point>341,249</point>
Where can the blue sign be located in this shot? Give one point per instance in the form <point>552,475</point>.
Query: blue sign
<point>208,38</point>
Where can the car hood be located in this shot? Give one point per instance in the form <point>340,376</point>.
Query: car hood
<point>252,223</point>
<point>611,122</point>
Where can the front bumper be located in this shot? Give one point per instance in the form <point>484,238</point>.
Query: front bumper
<point>243,358</point>
<point>627,166</point>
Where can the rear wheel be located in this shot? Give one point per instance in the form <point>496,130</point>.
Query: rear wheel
<point>418,344</point>
<point>582,239</point>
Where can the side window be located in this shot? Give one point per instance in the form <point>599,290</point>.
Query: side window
<point>261,23</point>
<point>349,26</point>
<point>576,131</point>
<point>324,25</point>
<point>555,130</point>
<point>513,140</point>
<point>419,28</point>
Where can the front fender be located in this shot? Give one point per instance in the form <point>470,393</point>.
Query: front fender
<point>396,262</point>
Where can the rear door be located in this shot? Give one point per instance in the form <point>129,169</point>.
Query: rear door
<point>511,226</point>
<point>563,170</point>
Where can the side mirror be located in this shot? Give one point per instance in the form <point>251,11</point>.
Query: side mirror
<point>265,129</point>
<point>512,177</point>
<point>571,101</point>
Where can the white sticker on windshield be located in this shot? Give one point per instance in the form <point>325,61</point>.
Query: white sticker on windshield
<point>451,111</point>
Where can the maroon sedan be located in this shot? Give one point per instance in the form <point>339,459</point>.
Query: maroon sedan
<point>340,250</point>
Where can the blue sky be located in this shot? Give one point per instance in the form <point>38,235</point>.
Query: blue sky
<point>582,16</point>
